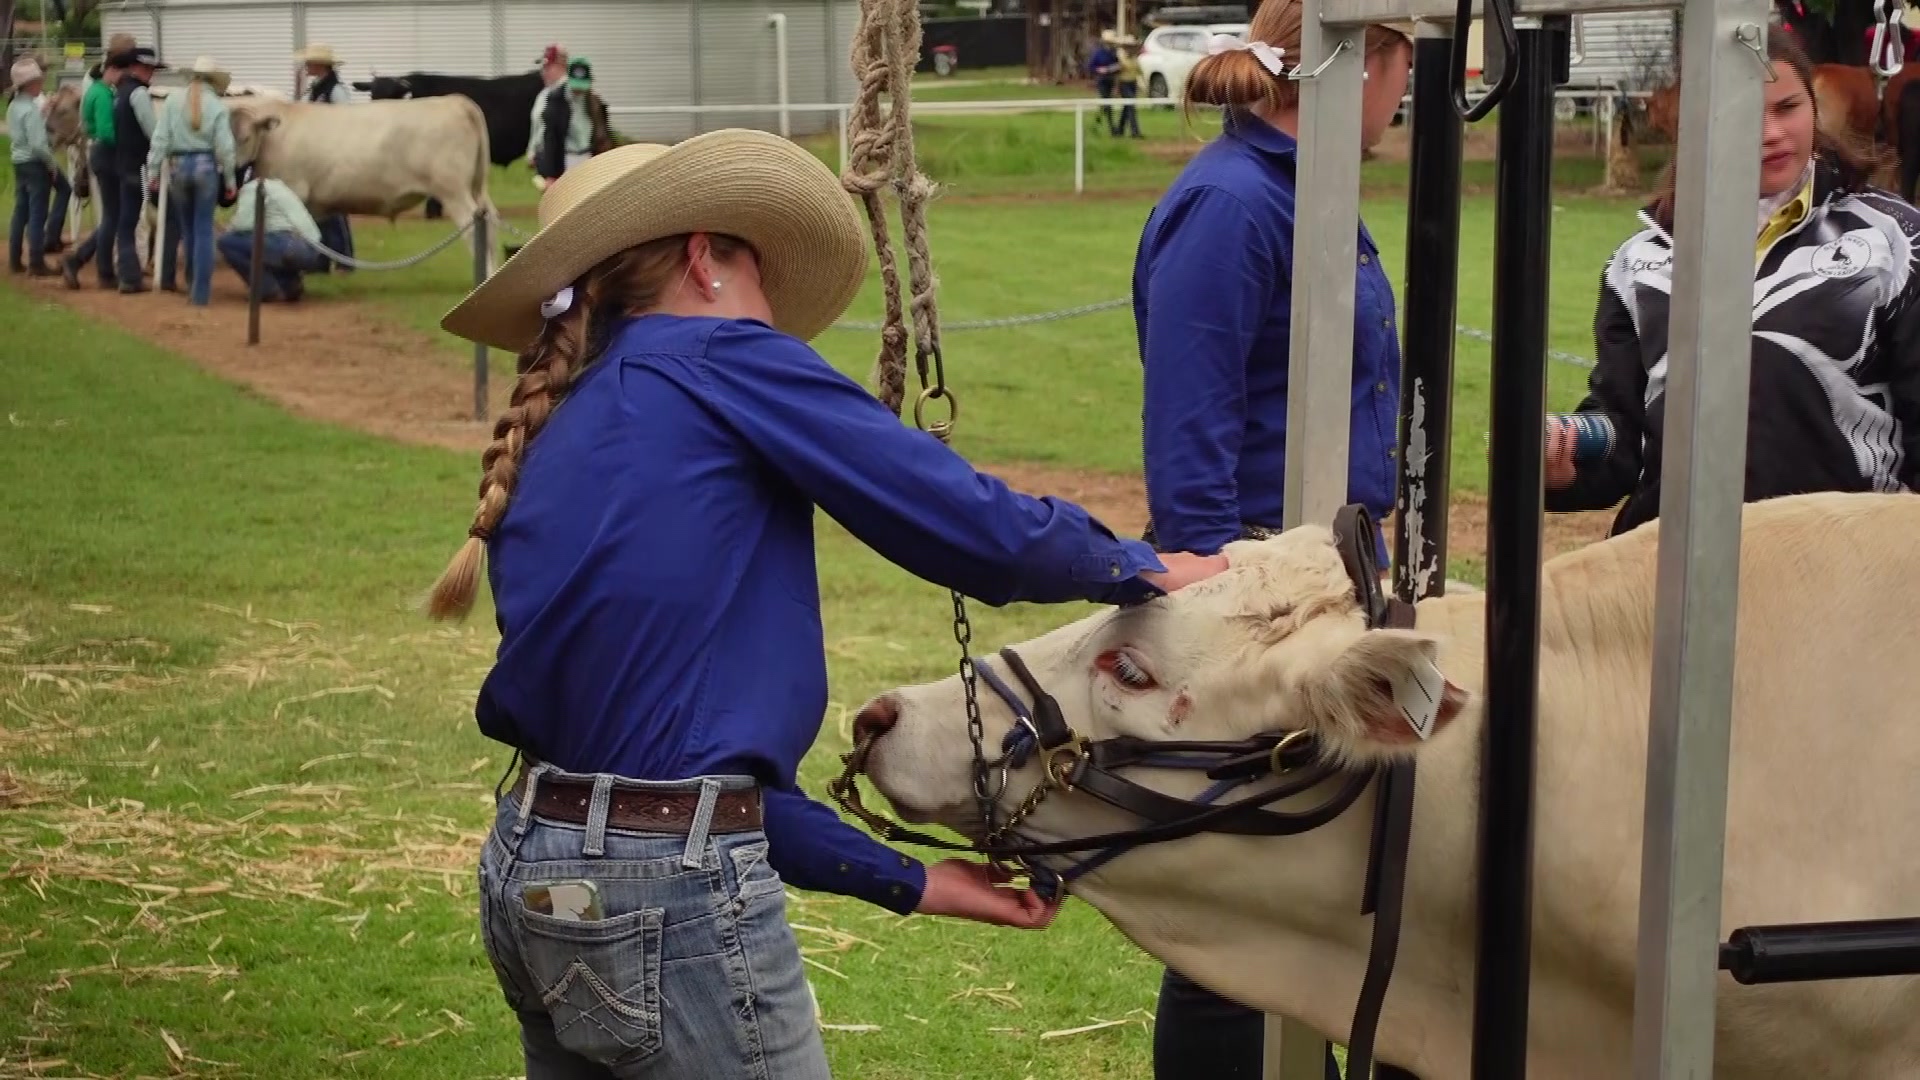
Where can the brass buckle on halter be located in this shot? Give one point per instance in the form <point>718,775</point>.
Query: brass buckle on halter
<point>1287,742</point>
<point>1062,761</point>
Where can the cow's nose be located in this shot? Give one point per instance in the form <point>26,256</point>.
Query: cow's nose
<point>876,719</point>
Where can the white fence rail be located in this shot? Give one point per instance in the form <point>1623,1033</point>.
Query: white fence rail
<point>1603,99</point>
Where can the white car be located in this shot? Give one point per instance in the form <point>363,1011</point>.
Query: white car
<point>1169,52</point>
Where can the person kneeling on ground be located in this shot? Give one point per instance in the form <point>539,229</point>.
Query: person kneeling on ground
<point>289,250</point>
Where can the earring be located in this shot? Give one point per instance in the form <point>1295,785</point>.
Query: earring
<point>716,286</point>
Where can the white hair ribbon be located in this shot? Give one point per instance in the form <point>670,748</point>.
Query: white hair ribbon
<point>1270,56</point>
<point>560,303</point>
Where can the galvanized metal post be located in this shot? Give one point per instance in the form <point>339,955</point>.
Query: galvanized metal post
<point>1320,350</point>
<point>1429,300</point>
<point>1523,226</point>
<point>1703,480</point>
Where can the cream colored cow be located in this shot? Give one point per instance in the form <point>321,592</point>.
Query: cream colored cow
<point>1825,786</point>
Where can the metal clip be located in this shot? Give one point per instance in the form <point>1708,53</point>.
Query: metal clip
<point>1889,51</point>
<point>1296,76</point>
<point>1755,39</point>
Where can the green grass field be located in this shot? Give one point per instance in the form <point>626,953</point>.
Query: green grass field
<point>240,788</point>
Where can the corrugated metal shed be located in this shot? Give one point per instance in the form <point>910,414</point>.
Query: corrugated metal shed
<point>644,52</point>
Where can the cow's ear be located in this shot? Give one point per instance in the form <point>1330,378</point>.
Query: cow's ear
<point>363,86</point>
<point>1381,696</point>
<point>269,123</point>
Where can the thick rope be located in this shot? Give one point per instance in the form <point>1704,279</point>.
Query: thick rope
<point>886,47</point>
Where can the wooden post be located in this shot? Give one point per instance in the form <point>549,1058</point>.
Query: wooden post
<point>481,250</point>
<point>256,273</point>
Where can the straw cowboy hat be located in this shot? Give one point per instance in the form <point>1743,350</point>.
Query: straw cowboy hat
<point>25,70</point>
<point>204,67</point>
<point>318,54</point>
<point>752,185</point>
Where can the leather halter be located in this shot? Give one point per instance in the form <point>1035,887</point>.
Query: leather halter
<point>1070,762</point>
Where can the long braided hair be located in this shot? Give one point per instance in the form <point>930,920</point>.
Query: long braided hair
<point>629,282</point>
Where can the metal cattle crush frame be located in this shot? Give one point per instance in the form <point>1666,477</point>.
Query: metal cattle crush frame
<point>1723,54</point>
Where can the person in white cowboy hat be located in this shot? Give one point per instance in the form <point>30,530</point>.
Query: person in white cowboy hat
<point>1213,304</point>
<point>646,518</point>
<point>322,66</point>
<point>34,170</point>
<point>194,134</point>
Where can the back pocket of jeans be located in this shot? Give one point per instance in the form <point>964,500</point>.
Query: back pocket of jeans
<point>599,981</point>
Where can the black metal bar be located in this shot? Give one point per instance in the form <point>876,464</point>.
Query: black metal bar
<point>1807,952</point>
<point>1523,224</point>
<point>1429,299</point>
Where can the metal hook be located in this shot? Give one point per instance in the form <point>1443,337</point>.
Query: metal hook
<point>1754,39</point>
<point>1295,75</point>
<point>1889,51</point>
<point>1500,14</point>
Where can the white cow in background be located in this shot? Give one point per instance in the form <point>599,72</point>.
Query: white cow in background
<point>377,157</point>
<point>1824,787</point>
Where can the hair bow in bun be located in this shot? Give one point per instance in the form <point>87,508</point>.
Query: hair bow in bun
<point>1270,57</point>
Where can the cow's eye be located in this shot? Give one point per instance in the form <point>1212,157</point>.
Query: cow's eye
<point>1126,670</point>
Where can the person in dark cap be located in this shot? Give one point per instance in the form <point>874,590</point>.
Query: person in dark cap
<point>132,138</point>
<point>574,123</point>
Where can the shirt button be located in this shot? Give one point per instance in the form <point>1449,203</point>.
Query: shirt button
<point>1365,259</point>
<point>844,868</point>
<point>906,862</point>
<point>1113,570</point>
<point>898,891</point>
<point>1386,322</point>
<point>1381,386</point>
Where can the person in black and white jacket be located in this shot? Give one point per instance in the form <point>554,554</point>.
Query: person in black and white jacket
<point>1835,400</point>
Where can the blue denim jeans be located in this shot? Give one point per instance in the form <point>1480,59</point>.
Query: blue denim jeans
<point>27,233</point>
<point>99,244</point>
<point>192,194</point>
<point>691,973</point>
<point>287,257</point>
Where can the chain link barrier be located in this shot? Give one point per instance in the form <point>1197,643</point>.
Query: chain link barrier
<point>395,264</point>
<point>1461,329</point>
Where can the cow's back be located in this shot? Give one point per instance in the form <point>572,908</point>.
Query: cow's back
<point>379,157</point>
<point>1822,776</point>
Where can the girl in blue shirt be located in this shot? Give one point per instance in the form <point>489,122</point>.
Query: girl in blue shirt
<point>1213,307</point>
<point>647,520</point>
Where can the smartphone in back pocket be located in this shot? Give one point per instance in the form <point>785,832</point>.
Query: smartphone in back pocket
<point>575,901</point>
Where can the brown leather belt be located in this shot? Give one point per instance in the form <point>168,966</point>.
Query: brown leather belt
<point>640,809</point>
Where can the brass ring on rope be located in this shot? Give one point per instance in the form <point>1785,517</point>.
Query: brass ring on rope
<point>942,429</point>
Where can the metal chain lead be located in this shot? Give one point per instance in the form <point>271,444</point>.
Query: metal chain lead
<point>976,730</point>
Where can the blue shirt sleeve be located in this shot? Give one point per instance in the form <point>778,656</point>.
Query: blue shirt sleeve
<point>1210,280</point>
<point>903,492</point>
<point>811,848</point>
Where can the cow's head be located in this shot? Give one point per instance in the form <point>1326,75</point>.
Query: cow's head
<point>1278,642</point>
<point>385,87</point>
<point>63,117</point>
<point>252,122</point>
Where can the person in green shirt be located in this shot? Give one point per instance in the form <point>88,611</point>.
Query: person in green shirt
<point>96,120</point>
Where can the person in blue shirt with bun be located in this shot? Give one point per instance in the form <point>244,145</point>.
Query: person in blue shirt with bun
<point>1213,308</point>
<point>646,522</point>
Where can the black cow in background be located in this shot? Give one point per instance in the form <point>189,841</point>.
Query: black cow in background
<point>505,100</point>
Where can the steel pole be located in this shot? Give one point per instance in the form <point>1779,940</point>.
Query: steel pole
<point>1429,300</point>
<point>1702,482</point>
<point>1523,226</point>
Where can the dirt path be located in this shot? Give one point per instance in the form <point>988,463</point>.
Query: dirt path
<point>337,362</point>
